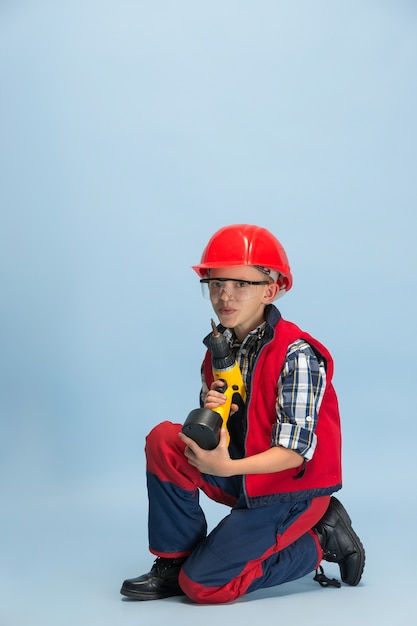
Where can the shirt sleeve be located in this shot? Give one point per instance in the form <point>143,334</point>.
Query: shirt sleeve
<point>301,387</point>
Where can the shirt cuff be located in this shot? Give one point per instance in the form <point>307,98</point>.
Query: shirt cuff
<point>296,438</point>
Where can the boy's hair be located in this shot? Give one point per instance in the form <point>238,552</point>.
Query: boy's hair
<point>272,274</point>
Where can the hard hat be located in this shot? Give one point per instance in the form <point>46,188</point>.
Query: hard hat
<point>246,244</point>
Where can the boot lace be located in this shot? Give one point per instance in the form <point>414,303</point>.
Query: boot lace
<point>323,581</point>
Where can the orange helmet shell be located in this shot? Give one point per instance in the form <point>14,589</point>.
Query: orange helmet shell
<point>245,244</point>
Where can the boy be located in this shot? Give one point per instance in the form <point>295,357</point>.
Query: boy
<point>283,461</point>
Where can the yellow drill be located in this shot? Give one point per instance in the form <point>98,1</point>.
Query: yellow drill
<point>204,425</point>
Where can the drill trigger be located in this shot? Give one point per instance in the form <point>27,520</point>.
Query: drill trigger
<point>223,388</point>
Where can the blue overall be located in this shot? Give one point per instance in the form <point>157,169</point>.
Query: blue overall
<point>250,548</point>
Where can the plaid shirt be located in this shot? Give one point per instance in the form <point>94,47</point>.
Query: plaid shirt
<point>300,390</point>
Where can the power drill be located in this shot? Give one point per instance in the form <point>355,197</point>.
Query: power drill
<point>204,425</point>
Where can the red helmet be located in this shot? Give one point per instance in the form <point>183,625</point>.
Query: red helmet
<point>245,244</point>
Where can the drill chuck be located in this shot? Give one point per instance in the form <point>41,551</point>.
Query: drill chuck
<point>221,355</point>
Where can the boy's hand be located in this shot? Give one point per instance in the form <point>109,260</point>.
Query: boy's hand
<point>215,398</point>
<point>216,462</point>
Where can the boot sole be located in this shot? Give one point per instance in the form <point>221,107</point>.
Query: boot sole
<point>148,596</point>
<point>347,522</point>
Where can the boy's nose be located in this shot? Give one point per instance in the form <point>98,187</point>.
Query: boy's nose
<point>224,294</point>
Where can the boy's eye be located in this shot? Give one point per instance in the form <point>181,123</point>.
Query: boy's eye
<point>236,284</point>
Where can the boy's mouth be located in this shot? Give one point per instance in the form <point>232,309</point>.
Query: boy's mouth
<point>227,311</point>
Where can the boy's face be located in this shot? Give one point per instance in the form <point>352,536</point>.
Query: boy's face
<point>241,315</point>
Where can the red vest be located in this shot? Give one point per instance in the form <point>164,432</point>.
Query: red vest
<point>322,474</point>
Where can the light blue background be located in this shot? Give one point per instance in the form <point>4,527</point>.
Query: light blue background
<point>130,132</point>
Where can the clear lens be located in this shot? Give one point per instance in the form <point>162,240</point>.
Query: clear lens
<point>237,290</point>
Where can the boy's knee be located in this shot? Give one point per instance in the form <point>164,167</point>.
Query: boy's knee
<point>164,448</point>
<point>195,592</point>
<point>207,595</point>
<point>163,435</point>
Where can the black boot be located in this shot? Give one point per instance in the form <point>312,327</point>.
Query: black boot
<point>340,543</point>
<point>160,582</point>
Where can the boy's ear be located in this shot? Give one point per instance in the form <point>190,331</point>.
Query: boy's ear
<point>271,292</point>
